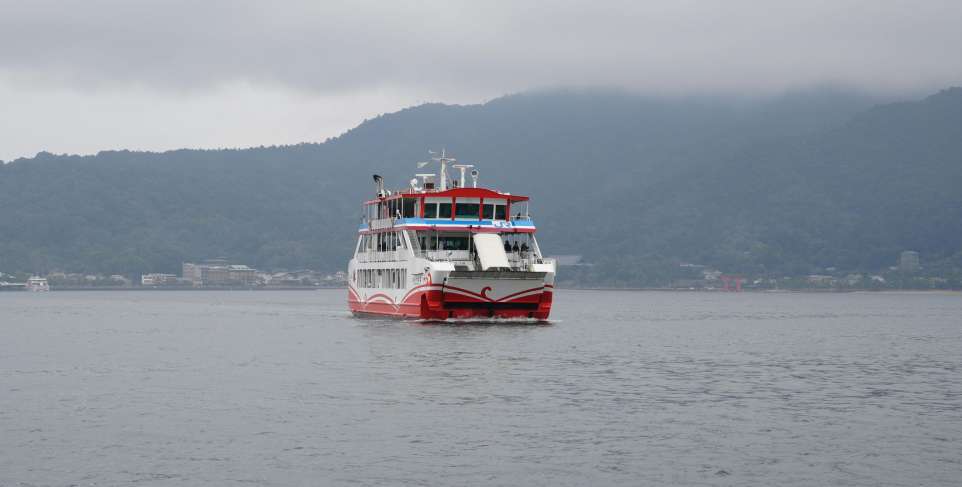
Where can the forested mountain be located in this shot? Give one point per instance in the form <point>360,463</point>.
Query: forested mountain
<point>635,184</point>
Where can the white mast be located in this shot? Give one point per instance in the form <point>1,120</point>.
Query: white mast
<point>444,160</point>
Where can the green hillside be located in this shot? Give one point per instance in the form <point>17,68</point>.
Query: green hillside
<point>636,184</point>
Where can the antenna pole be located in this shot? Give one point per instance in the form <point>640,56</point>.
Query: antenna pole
<point>444,174</point>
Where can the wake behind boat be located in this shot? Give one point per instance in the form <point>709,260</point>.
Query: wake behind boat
<point>439,249</point>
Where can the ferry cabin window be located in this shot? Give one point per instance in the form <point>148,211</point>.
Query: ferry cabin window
<point>430,210</point>
<point>440,241</point>
<point>444,210</point>
<point>388,242</point>
<point>492,211</point>
<point>392,241</point>
<point>408,208</point>
<point>466,210</point>
<point>453,243</point>
<point>383,278</point>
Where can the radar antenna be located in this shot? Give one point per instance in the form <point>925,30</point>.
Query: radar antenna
<point>462,167</point>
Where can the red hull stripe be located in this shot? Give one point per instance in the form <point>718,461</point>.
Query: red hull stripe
<point>385,299</point>
<point>383,305</point>
<point>487,299</point>
<point>414,311</point>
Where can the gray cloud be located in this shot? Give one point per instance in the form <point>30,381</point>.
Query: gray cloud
<point>78,75</point>
<point>465,48</point>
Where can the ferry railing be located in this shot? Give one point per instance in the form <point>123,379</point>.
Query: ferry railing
<point>446,255</point>
<point>519,260</point>
<point>389,256</point>
<point>381,223</point>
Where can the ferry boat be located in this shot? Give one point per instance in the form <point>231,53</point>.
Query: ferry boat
<point>37,284</point>
<point>440,250</point>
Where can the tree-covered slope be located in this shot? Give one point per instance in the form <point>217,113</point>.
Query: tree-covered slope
<point>636,184</point>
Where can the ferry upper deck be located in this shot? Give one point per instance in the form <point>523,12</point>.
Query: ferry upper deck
<point>473,209</point>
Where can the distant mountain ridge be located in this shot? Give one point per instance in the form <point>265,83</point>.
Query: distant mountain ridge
<point>635,184</point>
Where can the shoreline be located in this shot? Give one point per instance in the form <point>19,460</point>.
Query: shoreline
<point>199,289</point>
<point>766,291</point>
<point>575,288</point>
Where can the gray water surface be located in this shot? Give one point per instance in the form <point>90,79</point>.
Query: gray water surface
<point>621,388</point>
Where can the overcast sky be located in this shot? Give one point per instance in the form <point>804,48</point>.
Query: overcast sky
<point>88,75</point>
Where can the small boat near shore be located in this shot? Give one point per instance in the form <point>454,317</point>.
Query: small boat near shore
<point>37,284</point>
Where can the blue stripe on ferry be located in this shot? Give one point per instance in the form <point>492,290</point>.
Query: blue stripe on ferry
<point>444,222</point>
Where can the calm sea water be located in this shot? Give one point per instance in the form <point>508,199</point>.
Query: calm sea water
<point>622,388</point>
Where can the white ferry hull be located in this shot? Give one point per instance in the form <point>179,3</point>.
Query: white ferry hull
<point>462,295</point>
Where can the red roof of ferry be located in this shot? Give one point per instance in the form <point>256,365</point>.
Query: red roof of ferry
<point>455,192</point>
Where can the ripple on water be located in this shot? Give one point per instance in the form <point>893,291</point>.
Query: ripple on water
<point>619,388</point>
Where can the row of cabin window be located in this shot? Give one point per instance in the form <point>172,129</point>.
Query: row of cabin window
<point>439,241</point>
<point>381,278</point>
<point>404,207</point>
<point>382,242</point>
<point>462,241</point>
<point>465,210</point>
<point>407,208</point>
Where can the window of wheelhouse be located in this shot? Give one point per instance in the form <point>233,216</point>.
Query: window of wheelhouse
<point>409,208</point>
<point>437,208</point>
<point>430,210</point>
<point>494,210</point>
<point>444,210</point>
<point>467,208</point>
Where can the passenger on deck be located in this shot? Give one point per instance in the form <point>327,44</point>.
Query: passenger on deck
<point>507,246</point>
<point>524,247</point>
<point>514,247</point>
